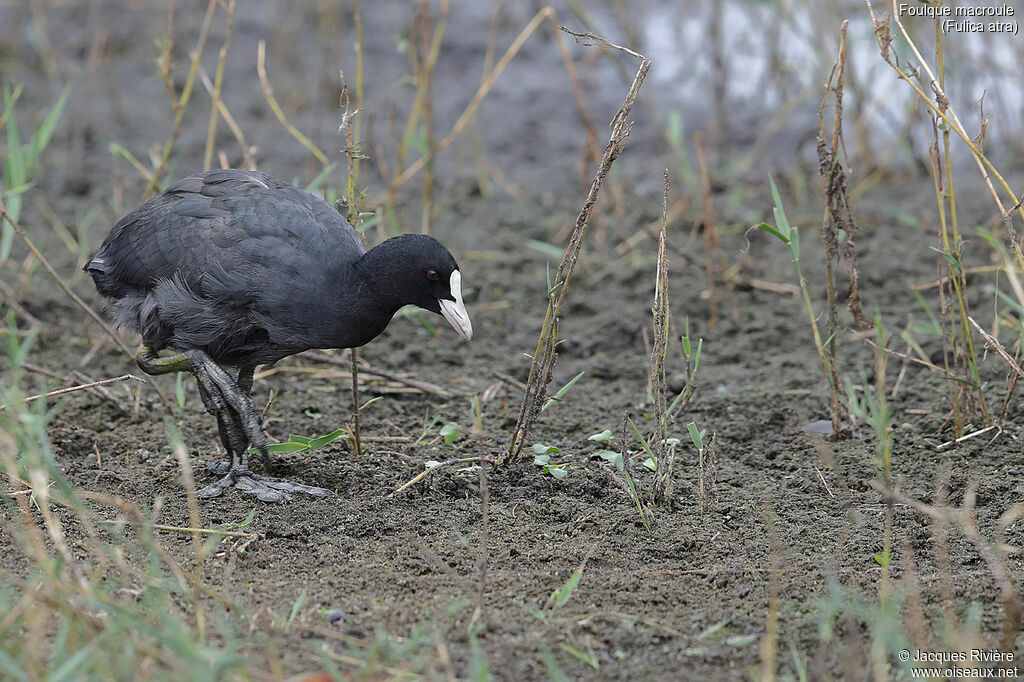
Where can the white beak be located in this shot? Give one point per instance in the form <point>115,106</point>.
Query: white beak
<point>455,311</point>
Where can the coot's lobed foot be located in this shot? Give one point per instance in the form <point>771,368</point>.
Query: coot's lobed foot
<point>265,488</point>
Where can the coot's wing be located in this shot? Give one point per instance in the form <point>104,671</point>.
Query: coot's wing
<point>210,230</point>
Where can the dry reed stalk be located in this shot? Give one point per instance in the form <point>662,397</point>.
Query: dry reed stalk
<point>661,490</point>
<point>218,84</point>
<point>545,355</point>
<point>770,639</point>
<point>268,93</point>
<point>357,120</point>
<point>78,299</point>
<point>714,260</point>
<point>942,106</point>
<point>248,152</point>
<point>180,104</point>
<point>965,519</point>
<point>430,50</point>
<point>188,481</point>
<point>838,217</point>
<point>484,513</point>
<point>545,13</point>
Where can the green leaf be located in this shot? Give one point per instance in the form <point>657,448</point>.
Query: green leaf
<point>477,660</point>
<point>562,391</point>
<point>41,138</point>
<point>695,436</point>
<point>611,456</point>
<point>554,672</point>
<point>714,629</point>
<point>549,250</point>
<point>589,659</point>
<point>296,607</point>
<point>1010,302</point>
<point>602,437</point>
<point>651,463</point>
<point>325,439</point>
<point>541,460</point>
<point>557,472</point>
<point>563,594</point>
<point>371,401</point>
<point>286,447</point>
<point>300,439</point>
<point>68,670</point>
<point>643,441</point>
<point>450,432</point>
<point>780,212</point>
<point>765,227</point>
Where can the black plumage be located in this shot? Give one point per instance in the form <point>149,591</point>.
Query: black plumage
<point>236,269</point>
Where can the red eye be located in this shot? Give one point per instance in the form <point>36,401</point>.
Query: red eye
<point>432,275</point>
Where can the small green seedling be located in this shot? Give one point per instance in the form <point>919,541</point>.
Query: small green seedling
<point>542,458</point>
<point>450,432</point>
<point>613,457</point>
<point>603,437</point>
<point>179,389</point>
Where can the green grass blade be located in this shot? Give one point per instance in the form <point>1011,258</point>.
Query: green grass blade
<point>42,136</point>
<point>324,440</point>
<point>563,594</point>
<point>561,392</point>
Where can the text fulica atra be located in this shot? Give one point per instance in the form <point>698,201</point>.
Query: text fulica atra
<point>234,269</point>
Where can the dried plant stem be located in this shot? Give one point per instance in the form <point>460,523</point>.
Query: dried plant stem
<point>714,260</point>
<point>356,122</point>
<point>60,282</point>
<point>994,343</point>
<point>484,513</point>
<point>425,387</point>
<point>546,13</point>
<point>941,106</point>
<point>770,639</point>
<point>218,84</point>
<point>545,355</point>
<point>356,445</point>
<point>964,518</point>
<point>838,218</point>
<point>248,161</point>
<point>181,103</point>
<point>80,387</point>
<point>268,93</point>
<point>661,490</point>
<point>78,299</point>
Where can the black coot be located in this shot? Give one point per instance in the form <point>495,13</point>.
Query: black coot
<point>235,269</point>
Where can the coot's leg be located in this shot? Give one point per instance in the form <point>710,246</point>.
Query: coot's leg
<point>229,400</point>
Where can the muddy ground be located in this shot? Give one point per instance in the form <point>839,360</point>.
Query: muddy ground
<point>686,600</point>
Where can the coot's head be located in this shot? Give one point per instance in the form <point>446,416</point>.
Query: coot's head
<point>424,273</point>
